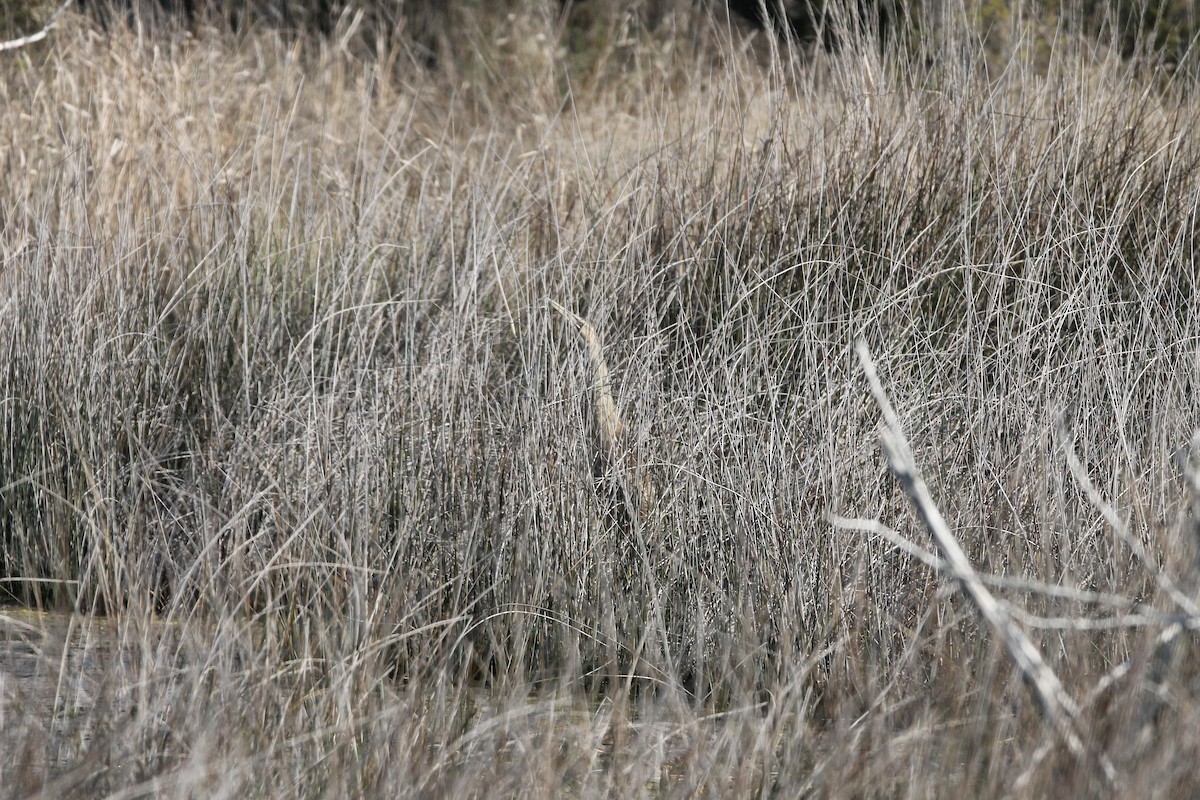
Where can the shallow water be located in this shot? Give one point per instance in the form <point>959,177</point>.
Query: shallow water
<point>53,670</point>
<point>62,675</point>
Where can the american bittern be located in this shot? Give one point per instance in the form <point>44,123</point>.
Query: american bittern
<point>613,452</point>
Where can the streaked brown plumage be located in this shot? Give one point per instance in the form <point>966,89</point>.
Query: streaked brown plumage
<point>610,429</point>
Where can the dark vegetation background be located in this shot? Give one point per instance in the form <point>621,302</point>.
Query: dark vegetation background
<point>1164,27</point>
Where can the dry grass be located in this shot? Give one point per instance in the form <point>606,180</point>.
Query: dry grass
<point>290,427</point>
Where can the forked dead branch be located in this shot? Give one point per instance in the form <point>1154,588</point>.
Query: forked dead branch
<point>1058,708</point>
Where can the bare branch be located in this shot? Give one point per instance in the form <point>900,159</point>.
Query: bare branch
<point>1057,706</point>
<point>13,44</point>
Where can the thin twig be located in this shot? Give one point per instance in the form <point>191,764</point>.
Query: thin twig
<point>933,561</point>
<point>1121,529</point>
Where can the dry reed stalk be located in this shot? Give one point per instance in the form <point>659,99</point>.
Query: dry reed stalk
<point>1057,707</point>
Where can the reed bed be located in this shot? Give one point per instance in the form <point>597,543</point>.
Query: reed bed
<point>300,435</point>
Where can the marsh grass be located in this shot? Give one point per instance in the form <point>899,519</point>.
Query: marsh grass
<point>286,412</point>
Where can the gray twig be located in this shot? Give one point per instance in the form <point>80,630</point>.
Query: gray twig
<point>13,44</point>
